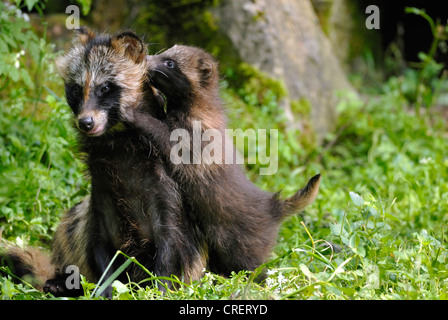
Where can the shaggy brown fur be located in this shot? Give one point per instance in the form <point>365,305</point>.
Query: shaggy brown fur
<point>239,221</point>
<point>30,264</point>
<point>134,205</point>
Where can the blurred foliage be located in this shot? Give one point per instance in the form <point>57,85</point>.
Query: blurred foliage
<point>429,69</point>
<point>38,5</point>
<point>185,21</point>
<point>37,169</point>
<point>85,5</point>
<point>16,39</point>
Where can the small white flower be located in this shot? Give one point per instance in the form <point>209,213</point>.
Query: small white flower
<point>281,279</point>
<point>270,282</point>
<point>20,243</point>
<point>425,160</point>
<point>25,17</point>
<point>288,290</point>
<point>17,64</point>
<point>271,272</point>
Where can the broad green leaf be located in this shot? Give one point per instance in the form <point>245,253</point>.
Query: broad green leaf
<point>356,199</point>
<point>305,271</point>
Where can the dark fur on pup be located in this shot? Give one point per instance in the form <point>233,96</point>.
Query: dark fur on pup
<point>240,222</point>
<point>134,204</point>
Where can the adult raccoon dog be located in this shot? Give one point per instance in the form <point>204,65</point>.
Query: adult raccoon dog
<point>134,205</point>
<point>240,222</point>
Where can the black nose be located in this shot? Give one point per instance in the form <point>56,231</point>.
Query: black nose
<point>86,124</point>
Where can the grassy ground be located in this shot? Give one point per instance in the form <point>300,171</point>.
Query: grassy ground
<point>376,230</point>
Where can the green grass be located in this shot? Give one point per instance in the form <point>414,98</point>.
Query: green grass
<point>376,230</point>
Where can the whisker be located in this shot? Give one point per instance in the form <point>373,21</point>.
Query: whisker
<point>160,51</point>
<point>160,71</point>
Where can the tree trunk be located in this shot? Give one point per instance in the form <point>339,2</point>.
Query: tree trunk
<point>284,39</point>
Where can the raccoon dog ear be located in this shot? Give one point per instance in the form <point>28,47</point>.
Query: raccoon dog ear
<point>84,34</point>
<point>206,69</point>
<point>80,39</point>
<point>130,45</point>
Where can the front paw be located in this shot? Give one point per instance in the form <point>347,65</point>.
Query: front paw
<point>58,288</point>
<point>128,114</point>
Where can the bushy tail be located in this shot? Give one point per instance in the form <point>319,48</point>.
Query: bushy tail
<point>301,198</point>
<point>31,264</point>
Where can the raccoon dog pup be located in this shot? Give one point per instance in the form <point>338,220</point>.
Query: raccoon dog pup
<point>134,206</point>
<point>240,222</point>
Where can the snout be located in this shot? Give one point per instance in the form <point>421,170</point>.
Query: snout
<point>92,123</point>
<point>86,124</point>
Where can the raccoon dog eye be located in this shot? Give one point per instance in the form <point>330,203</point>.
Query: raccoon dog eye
<point>169,64</point>
<point>105,89</point>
